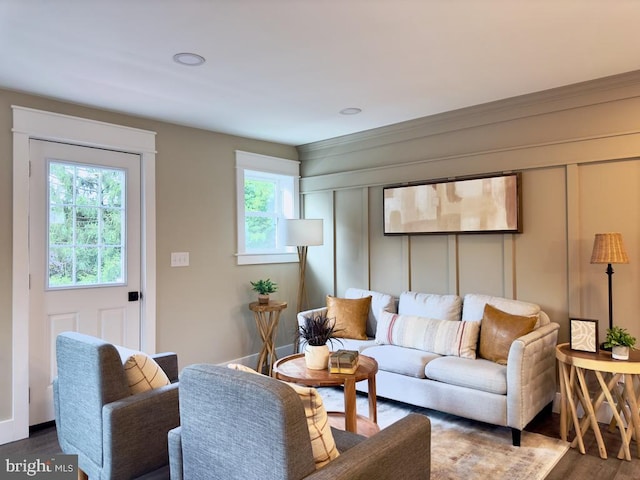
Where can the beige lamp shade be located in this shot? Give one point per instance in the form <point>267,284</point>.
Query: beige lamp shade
<point>608,248</point>
<point>303,232</point>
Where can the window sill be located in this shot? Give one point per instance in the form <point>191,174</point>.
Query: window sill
<point>262,258</point>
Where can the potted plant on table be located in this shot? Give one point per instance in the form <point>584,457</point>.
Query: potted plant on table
<point>316,330</point>
<point>264,288</point>
<point>620,341</point>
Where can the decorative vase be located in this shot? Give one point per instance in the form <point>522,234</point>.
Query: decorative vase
<point>263,299</point>
<point>620,353</point>
<point>316,357</point>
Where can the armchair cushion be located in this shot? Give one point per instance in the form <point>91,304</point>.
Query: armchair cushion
<point>143,373</point>
<point>350,316</point>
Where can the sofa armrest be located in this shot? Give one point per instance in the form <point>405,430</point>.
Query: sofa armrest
<point>402,450</point>
<point>314,311</point>
<point>168,362</point>
<point>135,431</point>
<point>531,374</point>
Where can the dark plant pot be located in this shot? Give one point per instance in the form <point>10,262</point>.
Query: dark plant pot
<point>263,299</point>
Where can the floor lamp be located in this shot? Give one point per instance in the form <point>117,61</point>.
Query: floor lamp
<point>608,248</point>
<point>303,233</point>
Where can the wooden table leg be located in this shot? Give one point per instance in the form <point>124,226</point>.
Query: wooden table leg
<point>570,383</point>
<point>350,411</point>
<point>591,414</point>
<point>373,401</point>
<point>563,400</point>
<point>630,394</point>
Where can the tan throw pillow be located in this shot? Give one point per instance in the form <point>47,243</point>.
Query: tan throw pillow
<point>498,331</point>
<point>351,316</point>
<point>322,442</point>
<point>143,373</point>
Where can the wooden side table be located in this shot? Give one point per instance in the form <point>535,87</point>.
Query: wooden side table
<point>267,316</point>
<point>293,369</point>
<point>619,383</point>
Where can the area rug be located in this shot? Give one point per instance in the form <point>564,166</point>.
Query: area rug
<point>466,449</point>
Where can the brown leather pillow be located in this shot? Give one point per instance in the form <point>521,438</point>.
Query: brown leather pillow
<point>351,316</point>
<point>498,331</point>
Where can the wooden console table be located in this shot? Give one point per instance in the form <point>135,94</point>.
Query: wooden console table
<point>619,384</point>
<point>267,316</point>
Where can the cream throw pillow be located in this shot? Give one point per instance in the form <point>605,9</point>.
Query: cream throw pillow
<point>143,373</point>
<point>322,442</point>
<point>444,337</point>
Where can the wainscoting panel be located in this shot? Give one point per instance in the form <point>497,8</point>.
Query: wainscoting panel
<point>388,256</point>
<point>430,263</point>
<point>351,224</point>
<point>320,278</point>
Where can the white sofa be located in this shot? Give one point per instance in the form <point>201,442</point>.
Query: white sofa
<point>507,395</point>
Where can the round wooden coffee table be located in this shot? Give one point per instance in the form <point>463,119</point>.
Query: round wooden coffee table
<point>293,369</point>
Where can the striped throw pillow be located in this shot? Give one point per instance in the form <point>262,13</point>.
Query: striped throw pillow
<point>444,337</point>
<point>322,441</point>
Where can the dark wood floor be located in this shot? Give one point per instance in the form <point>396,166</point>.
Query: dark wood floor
<point>573,466</point>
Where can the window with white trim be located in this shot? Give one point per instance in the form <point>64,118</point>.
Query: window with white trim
<point>267,194</point>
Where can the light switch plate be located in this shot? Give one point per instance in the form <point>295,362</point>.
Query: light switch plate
<point>179,259</point>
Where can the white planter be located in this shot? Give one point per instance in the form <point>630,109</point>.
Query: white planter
<point>620,353</point>
<point>316,358</point>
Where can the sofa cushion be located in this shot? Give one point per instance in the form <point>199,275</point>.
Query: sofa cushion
<point>350,316</point>
<point>401,360</point>
<point>352,344</point>
<point>322,441</point>
<point>473,307</point>
<point>442,307</point>
<point>476,374</point>
<point>499,330</point>
<point>143,373</point>
<point>444,337</point>
<point>380,302</point>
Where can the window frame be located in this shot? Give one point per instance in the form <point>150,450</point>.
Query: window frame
<point>269,166</point>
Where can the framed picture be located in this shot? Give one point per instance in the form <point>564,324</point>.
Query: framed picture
<point>489,204</point>
<point>583,334</point>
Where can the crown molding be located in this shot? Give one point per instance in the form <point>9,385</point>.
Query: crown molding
<point>601,90</point>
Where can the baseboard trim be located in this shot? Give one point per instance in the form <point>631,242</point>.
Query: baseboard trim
<point>252,360</point>
<point>604,413</point>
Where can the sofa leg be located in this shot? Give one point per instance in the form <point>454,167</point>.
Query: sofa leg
<point>516,435</point>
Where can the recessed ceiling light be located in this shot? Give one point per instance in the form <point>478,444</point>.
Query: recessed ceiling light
<point>188,59</point>
<point>350,111</point>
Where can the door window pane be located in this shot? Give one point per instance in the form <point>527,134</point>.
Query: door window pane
<point>86,225</point>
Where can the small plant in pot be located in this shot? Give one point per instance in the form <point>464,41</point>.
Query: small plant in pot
<point>264,288</point>
<point>620,341</point>
<point>317,330</point>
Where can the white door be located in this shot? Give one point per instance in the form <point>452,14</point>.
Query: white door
<point>84,255</point>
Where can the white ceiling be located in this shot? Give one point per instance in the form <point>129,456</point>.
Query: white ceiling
<point>281,70</point>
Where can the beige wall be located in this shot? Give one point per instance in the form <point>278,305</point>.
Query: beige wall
<point>577,148</point>
<point>202,309</point>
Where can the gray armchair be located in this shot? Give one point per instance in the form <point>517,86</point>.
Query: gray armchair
<point>116,435</point>
<point>241,426</point>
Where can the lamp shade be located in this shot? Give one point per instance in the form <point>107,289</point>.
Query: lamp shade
<point>608,248</point>
<point>303,232</point>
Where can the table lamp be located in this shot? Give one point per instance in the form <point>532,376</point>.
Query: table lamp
<point>608,248</point>
<point>302,233</point>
